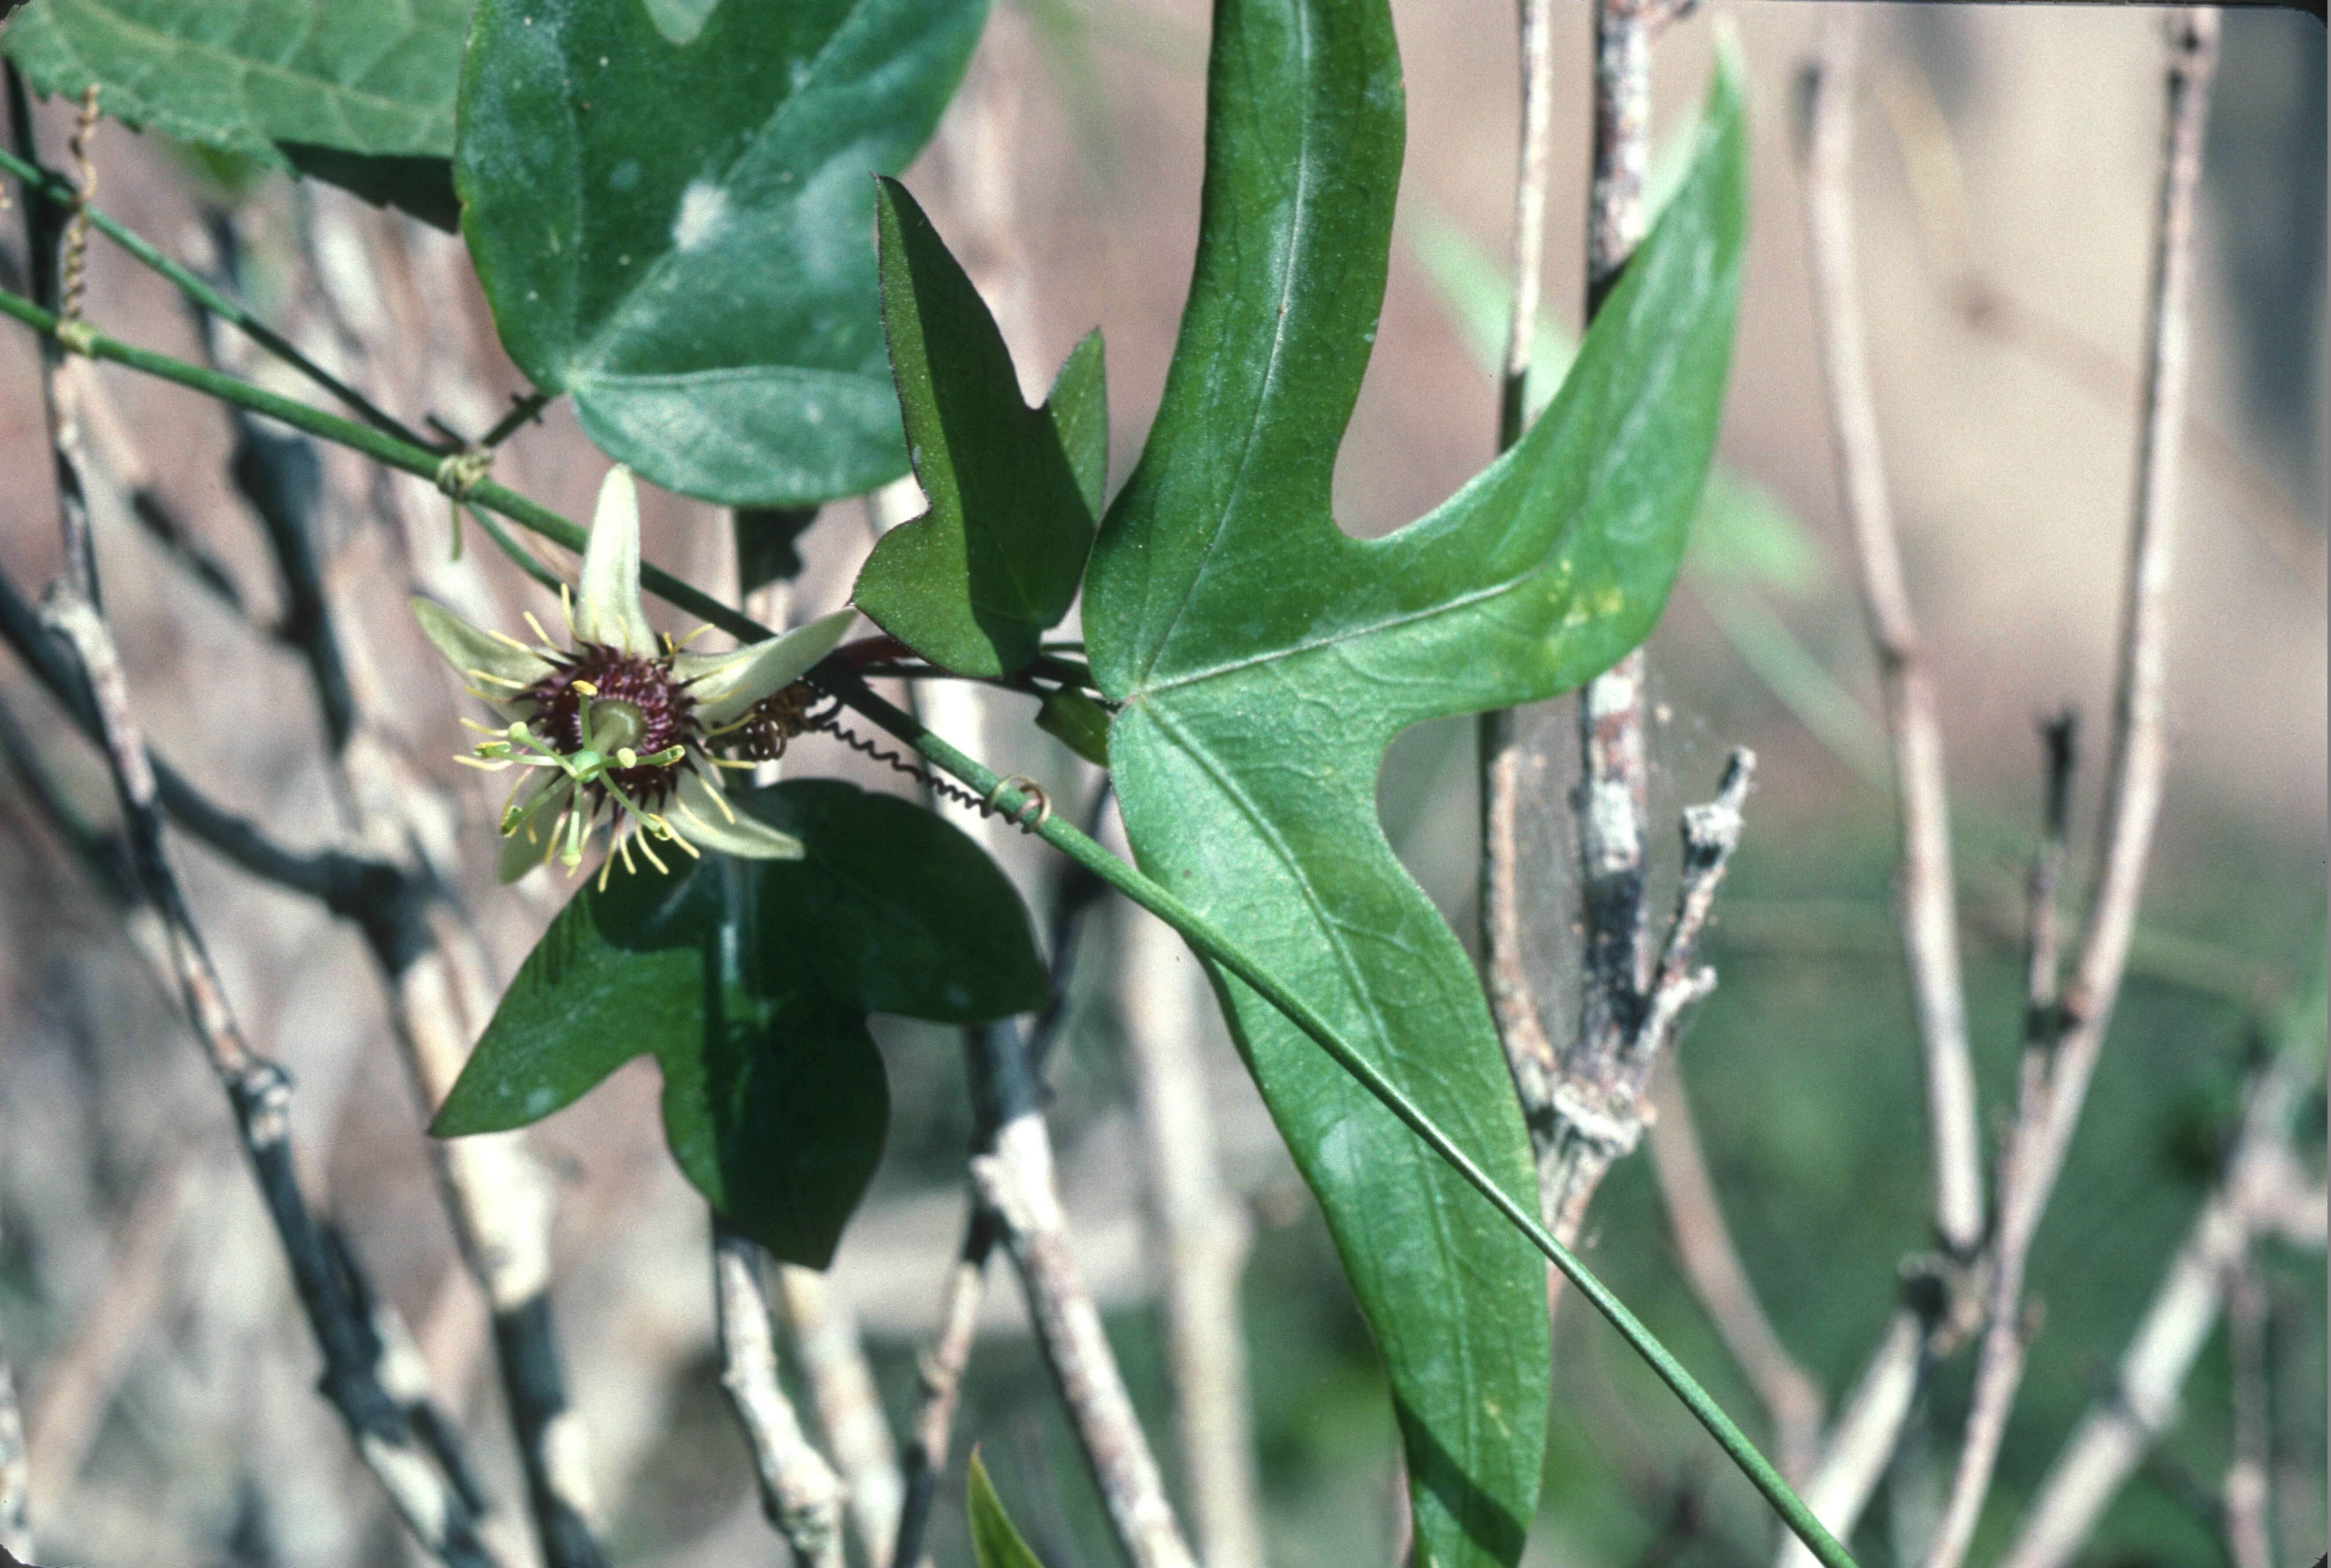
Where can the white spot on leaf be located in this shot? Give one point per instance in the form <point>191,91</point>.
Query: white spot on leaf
<point>703,208</point>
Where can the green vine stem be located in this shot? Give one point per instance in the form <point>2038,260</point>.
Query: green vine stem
<point>47,185</point>
<point>839,682</point>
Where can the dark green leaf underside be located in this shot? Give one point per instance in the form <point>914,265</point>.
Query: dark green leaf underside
<point>749,983</point>
<point>244,76</point>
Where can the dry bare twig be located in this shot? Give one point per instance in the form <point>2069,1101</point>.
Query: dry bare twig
<point>1015,1181</point>
<point>2246,1498</point>
<point>799,1490</point>
<point>45,238</point>
<point>1703,1243</point>
<point>1869,1424</point>
<point>1589,1110</point>
<point>260,1096</point>
<point>824,1334</point>
<point>1999,1364</point>
<point>1596,1110</point>
<point>2142,1403</point>
<point>1608,804</point>
<point>1205,1236</point>
<point>939,1385</point>
<point>1515,764</point>
<point>2069,1034</point>
<point>432,962</point>
<point>1927,887</point>
<point>1584,1105</point>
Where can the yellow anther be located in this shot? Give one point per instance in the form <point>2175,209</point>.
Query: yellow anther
<point>626,757</point>
<point>585,688</point>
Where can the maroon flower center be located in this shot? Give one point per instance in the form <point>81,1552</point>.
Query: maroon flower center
<point>648,700</point>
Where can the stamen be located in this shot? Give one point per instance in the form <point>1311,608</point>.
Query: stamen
<point>496,680</point>
<point>649,850</point>
<point>538,632</point>
<point>692,637</point>
<point>626,758</point>
<point>496,766</point>
<point>566,608</point>
<point>605,867</point>
<point>506,637</point>
<point>468,723</point>
<point>585,686</point>
<point>735,763</point>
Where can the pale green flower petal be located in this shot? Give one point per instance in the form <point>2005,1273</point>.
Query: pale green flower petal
<point>538,806</point>
<point>497,666</point>
<point>725,685</point>
<point>704,818</point>
<point>607,604</point>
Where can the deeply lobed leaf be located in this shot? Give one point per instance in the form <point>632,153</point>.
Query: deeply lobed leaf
<point>1264,660</point>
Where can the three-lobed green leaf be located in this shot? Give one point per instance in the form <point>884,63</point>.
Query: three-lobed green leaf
<point>749,983</point>
<point>670,212</point>
<point>974,583</point>
<point>359,92</point>
<point>1264,660</point>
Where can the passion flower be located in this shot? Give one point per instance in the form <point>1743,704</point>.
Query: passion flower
<point>614,726</point>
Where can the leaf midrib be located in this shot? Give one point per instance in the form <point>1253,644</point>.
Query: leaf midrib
<point>1331,930</point>
<point>1296,650</point>
<point>1290,266</point>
